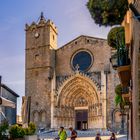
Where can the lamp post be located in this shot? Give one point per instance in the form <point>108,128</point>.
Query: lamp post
<point>114,61</point>
<point>122,121</point>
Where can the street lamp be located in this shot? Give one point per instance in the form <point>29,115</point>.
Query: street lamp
<point>122,122</point>
<point>114,61</point>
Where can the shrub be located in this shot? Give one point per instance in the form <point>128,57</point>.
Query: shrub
<point>108,12</point>
<point>3,129</point>
<point>16,131</point>
<point>31,129</point>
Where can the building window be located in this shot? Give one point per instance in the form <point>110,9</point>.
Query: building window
<point>87,40</point>
<point>118,117</point>
<point>82,60</point>
<point>53,37</point>
<point>37,57</point>
<point>43,116</point>
<point>36,116</point>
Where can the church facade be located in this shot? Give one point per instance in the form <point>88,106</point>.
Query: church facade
<point>72,85</point>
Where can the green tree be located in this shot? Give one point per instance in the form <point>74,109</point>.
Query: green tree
<point>107,12</point>
<point>116,37</point>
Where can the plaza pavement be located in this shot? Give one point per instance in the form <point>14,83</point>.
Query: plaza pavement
<point>119,137</point>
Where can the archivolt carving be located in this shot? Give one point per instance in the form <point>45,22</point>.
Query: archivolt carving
<point>76,87</point>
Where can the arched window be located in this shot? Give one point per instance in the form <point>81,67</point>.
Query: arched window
<point>43,116</point>
<point>118,117</point>
<point>35,116</point>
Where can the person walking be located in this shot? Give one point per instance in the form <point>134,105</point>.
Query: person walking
<point>62,134</point>
<point>113,137</point>
<point>98,137</point>
<point>73,133</point>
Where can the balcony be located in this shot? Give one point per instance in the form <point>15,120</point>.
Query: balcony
<point>124,73</point>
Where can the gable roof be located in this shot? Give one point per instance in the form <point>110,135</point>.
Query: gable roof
<point>81,37</point>
<point>10,90</point>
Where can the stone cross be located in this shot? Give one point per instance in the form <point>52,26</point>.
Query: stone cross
<point>77,67</point>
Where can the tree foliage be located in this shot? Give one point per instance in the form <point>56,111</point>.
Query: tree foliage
<point>116,37</point>
<point>108,12</point>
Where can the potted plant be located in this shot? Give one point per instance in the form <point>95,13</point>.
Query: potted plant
<point>116,39</point>
<point>122,96</point>
<point>16,132</point>
<point>4,130</point>
<point>108,12</point>
<point>30,132</point>
<point>119,101</point>
<point>118,97</point>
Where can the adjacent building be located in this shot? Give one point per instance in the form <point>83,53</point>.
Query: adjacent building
<point>132,35</point>
<point>8,103</point>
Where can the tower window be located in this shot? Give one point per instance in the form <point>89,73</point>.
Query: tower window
<point>88,41</point>
<point>37,57</point>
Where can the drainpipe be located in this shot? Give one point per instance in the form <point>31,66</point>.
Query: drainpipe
<point>106,72</point>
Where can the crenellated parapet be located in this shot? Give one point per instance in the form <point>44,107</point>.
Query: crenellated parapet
<point>41,23</point>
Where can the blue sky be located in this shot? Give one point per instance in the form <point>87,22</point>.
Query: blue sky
<point>70,16</point>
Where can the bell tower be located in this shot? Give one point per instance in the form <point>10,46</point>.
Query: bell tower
<point>41,42</point>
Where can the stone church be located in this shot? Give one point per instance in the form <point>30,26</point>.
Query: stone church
<point>72,85</point>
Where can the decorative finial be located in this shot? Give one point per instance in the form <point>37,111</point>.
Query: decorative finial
<point>42,16</point>
<point>42,19</point>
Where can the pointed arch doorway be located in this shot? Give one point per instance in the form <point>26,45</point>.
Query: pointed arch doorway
<point>78,104</point>
<point>81,118</point>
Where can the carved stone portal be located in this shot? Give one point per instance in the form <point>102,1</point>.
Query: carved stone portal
<point>79,94</point>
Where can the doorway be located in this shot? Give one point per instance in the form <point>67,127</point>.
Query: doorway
<point>81,119</point>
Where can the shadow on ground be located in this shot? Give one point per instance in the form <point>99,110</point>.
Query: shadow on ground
<point>122,138</point>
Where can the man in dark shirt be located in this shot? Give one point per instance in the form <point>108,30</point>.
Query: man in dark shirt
<point>73,134</point>
<point>98,137</point>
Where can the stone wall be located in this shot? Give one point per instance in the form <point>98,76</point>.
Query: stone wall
<point>98,47</point>
<point>136,79</point>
